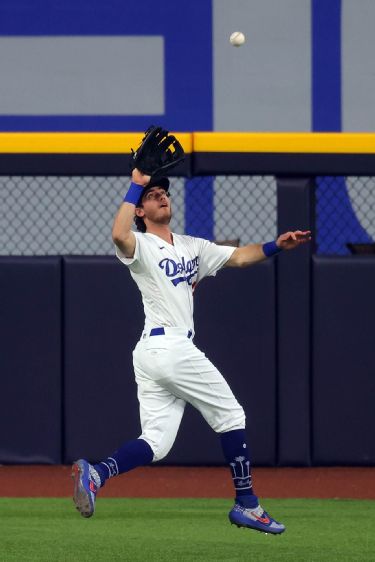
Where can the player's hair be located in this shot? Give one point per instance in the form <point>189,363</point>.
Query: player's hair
<point>140,224</point>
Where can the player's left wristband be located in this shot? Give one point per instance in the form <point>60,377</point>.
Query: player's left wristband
<point>271,249</point>
<point>134,193</point>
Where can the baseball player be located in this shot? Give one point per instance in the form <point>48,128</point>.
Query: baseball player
<point>169,369</point>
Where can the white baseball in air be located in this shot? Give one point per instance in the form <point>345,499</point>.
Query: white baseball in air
<point>237,38</point>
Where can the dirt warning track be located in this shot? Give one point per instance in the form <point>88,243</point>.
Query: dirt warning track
<point>195,482</point>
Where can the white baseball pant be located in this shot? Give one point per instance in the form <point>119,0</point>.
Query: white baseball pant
<point>170,371</point>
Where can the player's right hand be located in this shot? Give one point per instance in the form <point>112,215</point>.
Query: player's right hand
<point>139,178</point>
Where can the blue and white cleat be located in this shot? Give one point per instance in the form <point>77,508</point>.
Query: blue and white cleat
<point>254,518</point>
<point>86,484</point>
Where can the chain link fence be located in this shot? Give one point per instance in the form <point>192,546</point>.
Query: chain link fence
<point>345,215</point>
<point>74,215</point>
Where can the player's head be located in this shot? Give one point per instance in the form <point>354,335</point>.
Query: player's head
<point>154,204</point>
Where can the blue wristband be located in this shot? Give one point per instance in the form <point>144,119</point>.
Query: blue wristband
<point>134,193</point>
<point>271,249</point>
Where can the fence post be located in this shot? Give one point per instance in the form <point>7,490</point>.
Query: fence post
<point>295,211</point>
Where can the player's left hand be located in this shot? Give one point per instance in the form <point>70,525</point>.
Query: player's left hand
<point>291,240</point>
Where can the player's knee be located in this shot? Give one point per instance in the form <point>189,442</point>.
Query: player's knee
<point>160,453</point>
<point>239,420</point>
<point>236,420</point>
<point>160,450</point>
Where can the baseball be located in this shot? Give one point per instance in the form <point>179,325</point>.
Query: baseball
<point>237,39</point>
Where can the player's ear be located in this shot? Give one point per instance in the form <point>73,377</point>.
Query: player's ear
<point>139,212</point>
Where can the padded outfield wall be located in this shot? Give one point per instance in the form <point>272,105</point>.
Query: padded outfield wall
<point>293,335</point>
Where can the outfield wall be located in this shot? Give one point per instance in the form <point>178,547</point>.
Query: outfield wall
<point>68,327</point>
<point>294,337</point>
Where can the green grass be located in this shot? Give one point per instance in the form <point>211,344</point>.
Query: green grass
<point>50,530</point>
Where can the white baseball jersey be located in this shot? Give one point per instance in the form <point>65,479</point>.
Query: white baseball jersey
<point>167,274</point>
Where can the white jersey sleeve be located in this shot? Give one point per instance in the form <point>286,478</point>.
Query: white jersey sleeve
<point>136,263</point>
<point>212,257</point>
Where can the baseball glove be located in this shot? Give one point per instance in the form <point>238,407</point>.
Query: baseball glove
<point>158,153</point>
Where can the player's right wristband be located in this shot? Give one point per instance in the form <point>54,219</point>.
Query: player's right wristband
<point>133,194</point>
<point>271,249</point>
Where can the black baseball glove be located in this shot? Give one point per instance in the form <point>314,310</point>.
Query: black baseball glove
<point>158,153</point>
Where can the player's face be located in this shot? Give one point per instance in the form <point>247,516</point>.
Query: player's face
<point>157,206</point>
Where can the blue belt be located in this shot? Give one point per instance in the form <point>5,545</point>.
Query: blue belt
<point>161,332</point>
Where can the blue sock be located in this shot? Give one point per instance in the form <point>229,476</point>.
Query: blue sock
<point>130,455</point>
<point>237,456</point>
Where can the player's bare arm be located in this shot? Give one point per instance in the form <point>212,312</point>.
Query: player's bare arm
<point>122,234</point>
<point>254,253</point>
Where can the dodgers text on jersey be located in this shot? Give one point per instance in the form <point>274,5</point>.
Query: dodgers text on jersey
<point>174,269</point>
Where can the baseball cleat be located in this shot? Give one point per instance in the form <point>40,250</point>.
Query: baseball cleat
<point>255,518</point>
<point>85,487</point>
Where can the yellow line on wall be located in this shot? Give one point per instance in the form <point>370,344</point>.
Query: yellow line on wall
<point>121,143</point>
<point>78,143</point>
<point>285,142</point>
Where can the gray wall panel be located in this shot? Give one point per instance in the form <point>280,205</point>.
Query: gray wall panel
<point>81,75</point>
<point>265,84</point>
<point>358,66</point>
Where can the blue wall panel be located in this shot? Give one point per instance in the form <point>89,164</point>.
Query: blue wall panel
<point>326,65</point>
<point>343,349</point>
<point>235,317</point>
<point>236,324</point>
<point>295,211</point>
<point>103,320</point>
<point>30,360</point>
